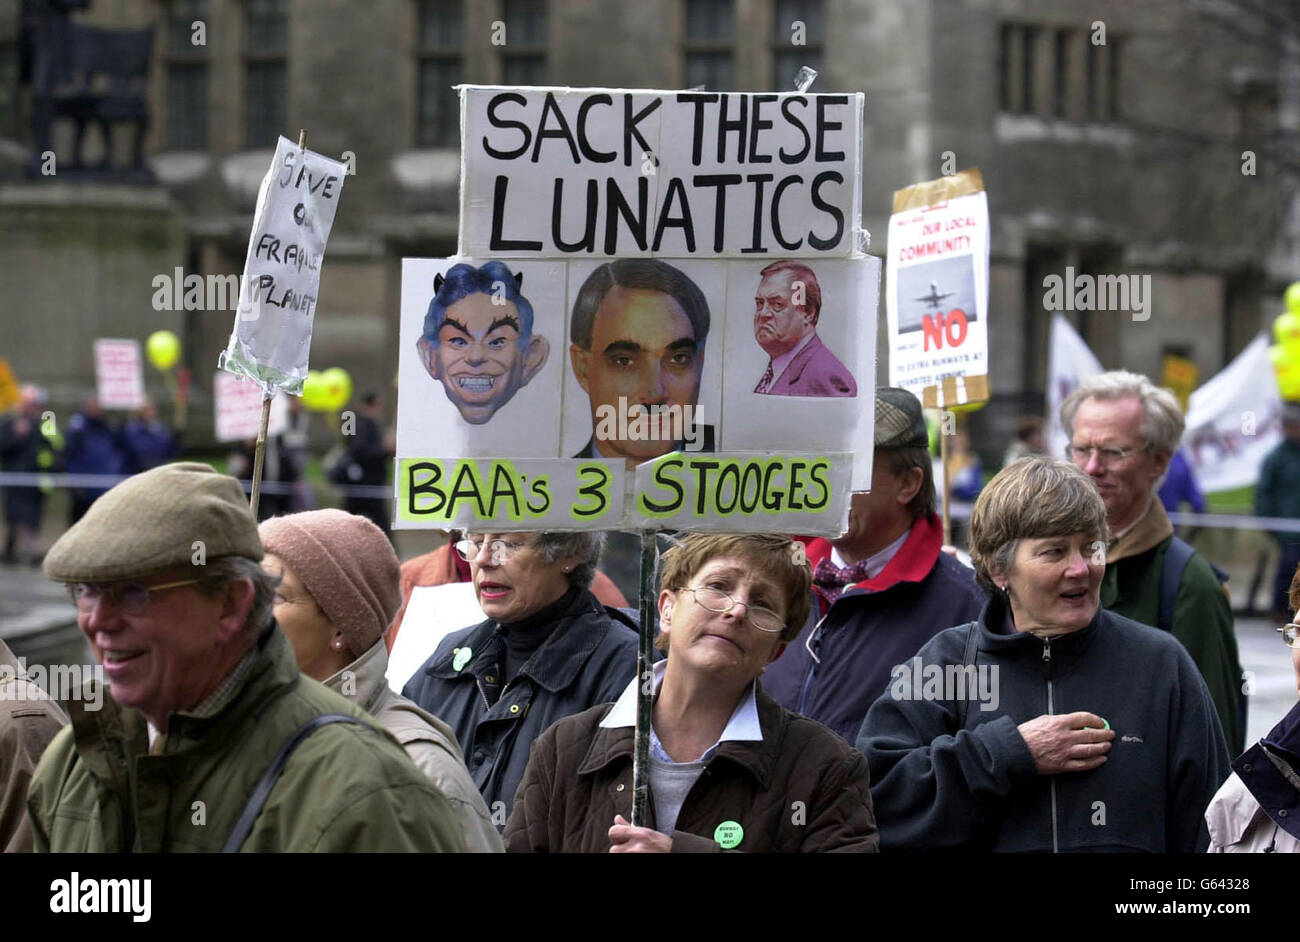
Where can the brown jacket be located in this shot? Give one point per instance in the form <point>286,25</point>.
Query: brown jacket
<point>29,719</point>
<point>802,789</point>
<point>439,568</point>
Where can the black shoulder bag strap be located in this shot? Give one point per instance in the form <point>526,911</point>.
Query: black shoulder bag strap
<point>972,652</point>
<point>244,826</point>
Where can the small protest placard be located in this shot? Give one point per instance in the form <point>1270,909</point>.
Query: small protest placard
<point>286,248</point>
<point>237,405</point>
<point>119,375</point>
<point>556,172</point>
<point>936,295</point>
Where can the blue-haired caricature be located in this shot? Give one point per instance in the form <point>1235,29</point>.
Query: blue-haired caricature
<point>478,338</point>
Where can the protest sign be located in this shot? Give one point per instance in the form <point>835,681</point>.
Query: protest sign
<point>559,172</point>
<point>277,295</point>
<point>119,376</point>
<point>936,295</point>
<point>9,394</point>
<point>514,416</point>
<point>237,409</point>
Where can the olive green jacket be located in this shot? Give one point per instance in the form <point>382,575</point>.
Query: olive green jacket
<point>1202,615</point>
<point>345,788</point>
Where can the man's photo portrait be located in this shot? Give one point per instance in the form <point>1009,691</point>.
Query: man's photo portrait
<point>787,307</point>
<point>638,333</point>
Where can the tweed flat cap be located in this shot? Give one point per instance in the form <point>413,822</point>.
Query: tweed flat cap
<point>150,522</point>
<point>899,420</point>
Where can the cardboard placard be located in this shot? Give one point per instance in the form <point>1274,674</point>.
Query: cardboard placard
<point>237,409</point>
<point>534,393</point>
<point>286,248</point>
<point>565,172</point>
<point>936,295</point>
<point>119,374</point>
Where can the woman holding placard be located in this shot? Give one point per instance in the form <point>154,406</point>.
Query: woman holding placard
<point>730,769</point>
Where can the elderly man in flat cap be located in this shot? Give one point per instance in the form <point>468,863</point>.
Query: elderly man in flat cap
<point>883,589</point>
<point>210,739</point>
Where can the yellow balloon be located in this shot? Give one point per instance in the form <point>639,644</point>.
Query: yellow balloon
<point>1292,297</point>
<point>1286,329</point>
<point>163,349</point>
<point>313,392</point>
<point>338,386</point>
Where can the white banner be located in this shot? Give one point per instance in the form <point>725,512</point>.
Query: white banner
<point>937,292</point>
<point>556,172</point>
<point>1069,363</point>
<point>277,295</point>
<point>1234,420</point>
<point>119,375</point>
<point>237,405</point>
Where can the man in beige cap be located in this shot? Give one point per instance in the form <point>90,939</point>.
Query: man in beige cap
<point>210,738</point>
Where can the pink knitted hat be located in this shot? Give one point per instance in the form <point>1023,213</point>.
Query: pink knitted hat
<point>348,566</point>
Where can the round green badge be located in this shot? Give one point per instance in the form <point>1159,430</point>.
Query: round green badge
<point>729,834</point>
<point>461,659</point>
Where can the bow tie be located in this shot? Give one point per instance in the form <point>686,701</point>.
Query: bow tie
<point>830,580</point>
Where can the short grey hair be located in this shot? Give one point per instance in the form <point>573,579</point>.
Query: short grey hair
<point>552,545</point>
<point>1032,498</point>
<point>1162,419</point>
<point>219,573</point>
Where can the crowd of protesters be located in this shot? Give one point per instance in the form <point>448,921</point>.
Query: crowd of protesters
<point>868,693</point>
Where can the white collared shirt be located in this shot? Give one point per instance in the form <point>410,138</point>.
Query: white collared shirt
<point>780,363</point>
<point>670,780</point>
<point>742,727</point>
<point>876,563</point>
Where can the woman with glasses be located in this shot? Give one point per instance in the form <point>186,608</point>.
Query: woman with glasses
<point>1249,814</point>
<point>730,769</point>
<point>548,649</point>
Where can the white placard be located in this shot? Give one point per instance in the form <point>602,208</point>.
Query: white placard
<point>237,409</point>
<point>286,248</point>
<point>119,374</point>
<point>432,612</point>
<point>643,357</point>
<point>556,172</point>
<point>936,296</point>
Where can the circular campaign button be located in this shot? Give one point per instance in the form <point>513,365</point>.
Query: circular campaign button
<point>729,834</point>
<point>461,659</point>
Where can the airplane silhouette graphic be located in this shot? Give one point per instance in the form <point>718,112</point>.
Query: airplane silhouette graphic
<point>934,297</point>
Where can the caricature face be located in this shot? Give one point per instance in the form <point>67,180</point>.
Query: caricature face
<point>478,356</point>
<point>643,351</point>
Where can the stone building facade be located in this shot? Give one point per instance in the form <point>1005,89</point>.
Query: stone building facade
<point>1111,136</point>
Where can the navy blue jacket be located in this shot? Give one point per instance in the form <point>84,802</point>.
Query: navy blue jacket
<point>874,625</point>
<point>589,658</point>
<point>938,787</point>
